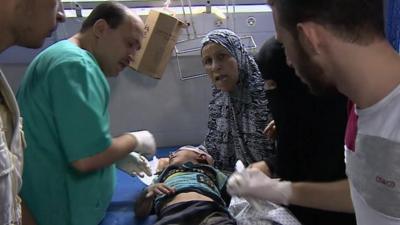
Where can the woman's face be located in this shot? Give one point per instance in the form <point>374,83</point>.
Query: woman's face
<point>221,67</point>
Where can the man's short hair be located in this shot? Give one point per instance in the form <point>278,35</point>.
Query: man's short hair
<point>356,21</point>
<point>112,12</point>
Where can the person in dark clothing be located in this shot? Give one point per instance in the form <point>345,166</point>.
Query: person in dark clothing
<point>309,134</point>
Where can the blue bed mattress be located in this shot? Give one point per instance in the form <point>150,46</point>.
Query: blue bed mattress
<point>128,188</point>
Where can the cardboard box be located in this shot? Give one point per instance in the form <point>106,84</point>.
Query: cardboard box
<point>161,34</point>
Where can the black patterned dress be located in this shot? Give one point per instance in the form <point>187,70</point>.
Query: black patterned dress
<point>238,118</point>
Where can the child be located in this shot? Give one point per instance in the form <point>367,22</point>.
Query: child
<point>188,191</point>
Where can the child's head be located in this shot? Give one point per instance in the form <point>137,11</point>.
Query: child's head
<point>190,154</point>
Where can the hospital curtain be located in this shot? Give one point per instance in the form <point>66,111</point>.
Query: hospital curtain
<point>393,22</point>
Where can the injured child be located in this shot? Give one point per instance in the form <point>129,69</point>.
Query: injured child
<point>190,191</point>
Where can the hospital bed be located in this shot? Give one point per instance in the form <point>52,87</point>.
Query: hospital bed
<point>127,190</point>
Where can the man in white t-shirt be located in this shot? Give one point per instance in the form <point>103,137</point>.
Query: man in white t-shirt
<point>340,45</point>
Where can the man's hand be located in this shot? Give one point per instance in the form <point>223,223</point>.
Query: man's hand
<point>135,164</point>
<point>145,143</point>
<point>261,166</point>
<point>253,184</point>
<point>270,130</point>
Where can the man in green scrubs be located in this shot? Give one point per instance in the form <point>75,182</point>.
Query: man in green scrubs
<point>69,173</point>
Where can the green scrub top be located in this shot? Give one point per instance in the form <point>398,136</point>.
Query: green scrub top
<point>64,100</point>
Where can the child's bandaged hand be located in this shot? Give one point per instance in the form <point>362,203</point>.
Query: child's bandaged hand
<point>141,165</point>
<point>135,164</point>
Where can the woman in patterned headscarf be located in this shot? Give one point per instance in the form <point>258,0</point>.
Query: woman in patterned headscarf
<point>238,108</point>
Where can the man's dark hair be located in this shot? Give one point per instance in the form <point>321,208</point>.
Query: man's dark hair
<point>356,21</point>
<point>112,12</point>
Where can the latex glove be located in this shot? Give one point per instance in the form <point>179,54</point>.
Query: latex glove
<point>253,184</point>
<point>135,164</point>
<point>261,166</point>
<point>145,143</point>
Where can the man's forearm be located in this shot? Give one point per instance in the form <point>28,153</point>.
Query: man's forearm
<point>120,147</point>
<point>332,196</point>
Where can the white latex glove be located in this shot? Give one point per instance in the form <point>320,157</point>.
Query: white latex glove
<point>253,184</point>
<point>145,143</point>
<point>135,164</point>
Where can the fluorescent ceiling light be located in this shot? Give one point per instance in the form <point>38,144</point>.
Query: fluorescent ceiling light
<point>72,1</point>
<point>219,11</point>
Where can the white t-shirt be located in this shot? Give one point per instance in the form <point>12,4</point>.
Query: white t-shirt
<point>373,167</point>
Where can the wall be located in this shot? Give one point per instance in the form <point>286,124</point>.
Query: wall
<point>174,110</point>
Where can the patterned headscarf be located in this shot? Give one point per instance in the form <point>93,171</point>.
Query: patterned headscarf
<point>238,118</point>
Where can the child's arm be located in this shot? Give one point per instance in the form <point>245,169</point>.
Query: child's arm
<point>162,164</point>
<point>144,204</point>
